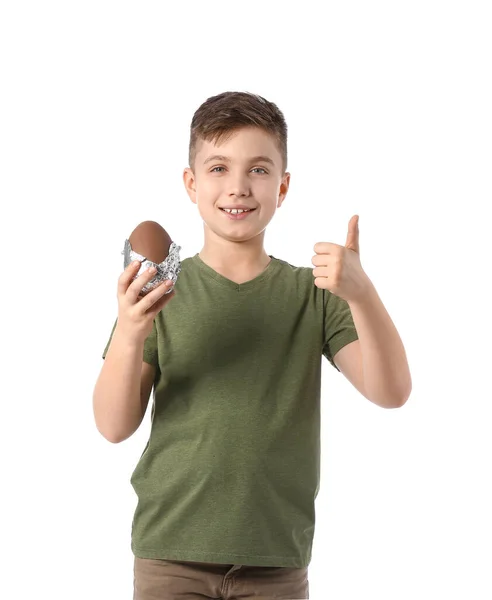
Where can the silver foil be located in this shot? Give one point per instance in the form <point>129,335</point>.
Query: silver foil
<point>169,268</point>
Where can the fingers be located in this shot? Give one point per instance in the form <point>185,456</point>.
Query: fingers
<point>132,288</point>
<point>136,286</point>
<point>126,277</point>
<point>156,299</point>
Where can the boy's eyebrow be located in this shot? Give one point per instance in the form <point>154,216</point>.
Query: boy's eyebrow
<point>266,159</point>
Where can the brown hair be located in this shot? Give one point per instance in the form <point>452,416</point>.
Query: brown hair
<point>220,116</point>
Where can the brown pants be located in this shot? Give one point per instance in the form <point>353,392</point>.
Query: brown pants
<point>156,579</point>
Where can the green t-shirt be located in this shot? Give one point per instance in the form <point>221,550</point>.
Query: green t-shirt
<point>231,469</point>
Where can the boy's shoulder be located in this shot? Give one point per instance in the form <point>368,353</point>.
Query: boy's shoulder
<point>294,268</point>
<point>296,271</point>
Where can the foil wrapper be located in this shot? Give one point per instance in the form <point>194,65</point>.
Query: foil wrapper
<point>169,268</point>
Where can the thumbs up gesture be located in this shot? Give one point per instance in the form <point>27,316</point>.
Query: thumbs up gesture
<point>338,268</point>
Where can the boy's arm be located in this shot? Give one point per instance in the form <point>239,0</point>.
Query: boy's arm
<point>348,360</point>
<point>376,363</point>
<point>122,390</point>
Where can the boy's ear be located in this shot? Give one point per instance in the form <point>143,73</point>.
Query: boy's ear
<point>189,183</point>
<point>284,188</point>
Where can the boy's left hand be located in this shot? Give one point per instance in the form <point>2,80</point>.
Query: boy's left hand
<point>338,268</point>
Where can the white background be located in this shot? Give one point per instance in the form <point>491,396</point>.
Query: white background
<point>389,113</point>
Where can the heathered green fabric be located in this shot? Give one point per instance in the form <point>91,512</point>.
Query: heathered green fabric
<point>231,469</point>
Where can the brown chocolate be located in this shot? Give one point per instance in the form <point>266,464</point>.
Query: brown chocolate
<point>151,240</point>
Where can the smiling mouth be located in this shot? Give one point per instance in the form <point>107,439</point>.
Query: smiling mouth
<point>237,216</point>
<point>240,211</point>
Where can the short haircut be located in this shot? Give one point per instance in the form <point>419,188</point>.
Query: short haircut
<point>222,115</point>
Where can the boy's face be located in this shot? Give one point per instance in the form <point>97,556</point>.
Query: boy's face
<point>238,178</point>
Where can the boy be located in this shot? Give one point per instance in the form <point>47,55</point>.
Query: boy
<point>227,481</point>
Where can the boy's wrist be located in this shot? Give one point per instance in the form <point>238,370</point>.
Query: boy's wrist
<point>124,340</point>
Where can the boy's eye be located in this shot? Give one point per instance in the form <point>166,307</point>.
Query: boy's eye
<point>255,168</point>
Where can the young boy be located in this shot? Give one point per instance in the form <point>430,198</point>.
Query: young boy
<point>227,482</point>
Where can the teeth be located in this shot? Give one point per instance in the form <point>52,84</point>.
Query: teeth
<point>236,211</point>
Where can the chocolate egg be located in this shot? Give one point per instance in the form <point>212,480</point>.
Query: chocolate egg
<point>150,243</point>
<point>151,240</point>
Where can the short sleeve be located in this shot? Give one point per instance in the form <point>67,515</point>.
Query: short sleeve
<point>150,354</point>
<point>339,328</point>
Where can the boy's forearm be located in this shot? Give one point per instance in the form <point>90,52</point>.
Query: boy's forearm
<point>116,398</point>
<point>387,376</point>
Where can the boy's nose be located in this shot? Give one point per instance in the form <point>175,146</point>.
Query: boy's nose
<point>239,187</point>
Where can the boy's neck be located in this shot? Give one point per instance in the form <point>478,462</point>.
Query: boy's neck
<point>240,261</point>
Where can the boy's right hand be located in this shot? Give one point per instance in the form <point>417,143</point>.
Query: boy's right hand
<point>136,313</point>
